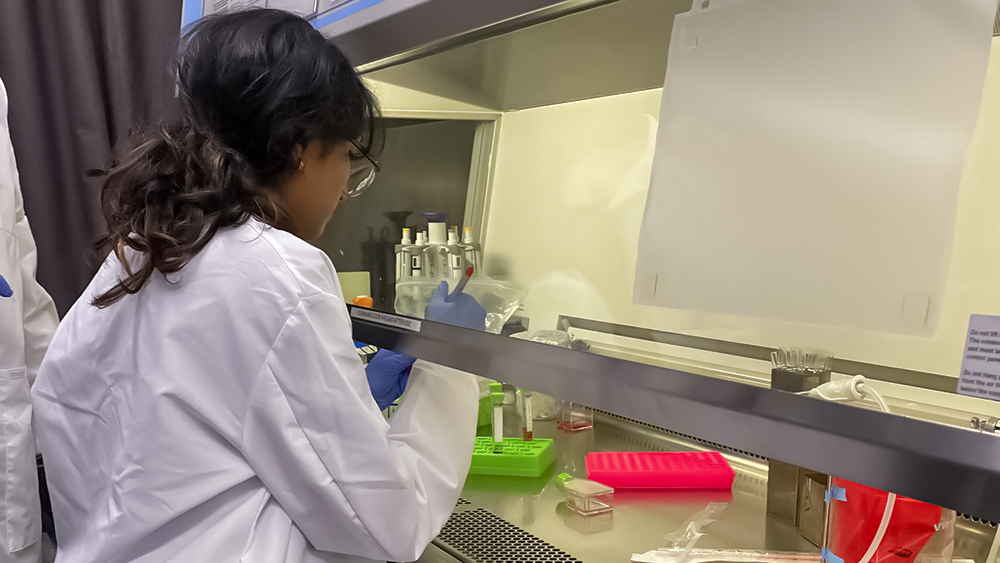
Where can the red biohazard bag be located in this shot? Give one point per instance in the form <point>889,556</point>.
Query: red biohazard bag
<point>856,513</point>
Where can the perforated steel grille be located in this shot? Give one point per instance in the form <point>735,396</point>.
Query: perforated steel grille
<point>483,537</point>
<point>978,520</point>
<point>462,501</point>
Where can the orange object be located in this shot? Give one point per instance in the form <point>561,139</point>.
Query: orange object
<point>364,301</point>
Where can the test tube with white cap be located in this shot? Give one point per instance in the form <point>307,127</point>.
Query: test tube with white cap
<point>456,258</point>
<point>526,399</point>
<point>496,400</point>
<point>417,260</point>
<point>467,242</point>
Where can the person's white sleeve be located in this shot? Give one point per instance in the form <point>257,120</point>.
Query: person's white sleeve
<point>39,316</point>
<point>353,482</point>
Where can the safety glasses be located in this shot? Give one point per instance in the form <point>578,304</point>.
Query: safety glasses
<point>364,168</point>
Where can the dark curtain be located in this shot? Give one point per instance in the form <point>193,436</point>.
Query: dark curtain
<point>80,75</point>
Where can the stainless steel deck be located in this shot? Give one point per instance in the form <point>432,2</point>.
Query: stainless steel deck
<point>641,518</point>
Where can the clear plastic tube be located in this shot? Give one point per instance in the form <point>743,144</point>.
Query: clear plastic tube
<point>526,398</point>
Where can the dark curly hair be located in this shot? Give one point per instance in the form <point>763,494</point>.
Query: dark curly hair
<point>254,87</point>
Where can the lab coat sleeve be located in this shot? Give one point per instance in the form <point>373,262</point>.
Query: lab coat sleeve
<point>351,481</point>
<point>39,316</point>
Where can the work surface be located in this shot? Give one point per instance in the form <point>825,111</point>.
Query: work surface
<point>640,518</point>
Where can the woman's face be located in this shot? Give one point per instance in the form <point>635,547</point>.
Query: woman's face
<point>315,189</point>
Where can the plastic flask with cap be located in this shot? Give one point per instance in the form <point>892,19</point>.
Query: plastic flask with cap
<point>584,496</point>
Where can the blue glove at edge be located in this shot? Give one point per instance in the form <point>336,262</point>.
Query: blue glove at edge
<point>388,373</point>
<point>460,310</point>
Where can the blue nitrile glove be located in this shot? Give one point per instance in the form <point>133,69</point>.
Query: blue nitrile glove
<point>387,374</point>
<point>459,310</point>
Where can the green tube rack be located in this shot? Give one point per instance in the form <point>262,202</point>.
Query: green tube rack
<point>513,458</point>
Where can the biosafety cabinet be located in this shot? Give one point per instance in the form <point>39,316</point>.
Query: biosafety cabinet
<point>537,124</point>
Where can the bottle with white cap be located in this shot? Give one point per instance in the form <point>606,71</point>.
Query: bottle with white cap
<point>404,265</point>
<point>468,244</point>
<point>435,262</point>
<point>417,257</point>
<point>456,255</point>
<point>437,231</point>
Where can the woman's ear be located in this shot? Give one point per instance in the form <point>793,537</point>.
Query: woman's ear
<point>298,153</point>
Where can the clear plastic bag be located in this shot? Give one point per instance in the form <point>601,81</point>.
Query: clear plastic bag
<point>681,541</point>
<point>558,338</point>
<point>545,407</point>
<point>499,298</point>
<point>941,546</point>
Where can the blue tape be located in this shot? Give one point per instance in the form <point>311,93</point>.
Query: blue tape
<point>836,493</point>
<point>342,12</point>
<point>829,557</point>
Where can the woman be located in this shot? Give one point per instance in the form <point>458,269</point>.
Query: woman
<point>203,400</point>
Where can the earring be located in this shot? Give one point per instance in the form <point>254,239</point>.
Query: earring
<point>302,165</point>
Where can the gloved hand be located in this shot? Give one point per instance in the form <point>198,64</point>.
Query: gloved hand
<point>459,310</point>
<point>387,374</point>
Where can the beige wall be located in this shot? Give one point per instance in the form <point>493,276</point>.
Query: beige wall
<point>568,197</point>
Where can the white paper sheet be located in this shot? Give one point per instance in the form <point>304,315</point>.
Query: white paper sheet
<point>808,159</point>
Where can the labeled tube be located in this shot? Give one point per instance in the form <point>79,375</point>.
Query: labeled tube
<point>496,399</point>
<point>456,256</point>
<point>526,398</point>
<point>467,246</point>
<point>404,260</point>
<point>417,260</point>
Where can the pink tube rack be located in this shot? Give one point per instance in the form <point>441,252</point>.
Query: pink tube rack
<point>660,470</point>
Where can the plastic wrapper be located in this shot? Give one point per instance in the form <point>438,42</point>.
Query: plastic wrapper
<point>544,407</point>
<point>681,541</point>
<point>559,338</point>
<point>499,298</point>
<point>730,555</point>
<point>941,546</point>
<point>855,518</point>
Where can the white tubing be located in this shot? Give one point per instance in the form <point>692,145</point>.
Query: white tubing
<point>890,500</point>
<point>878,398</point>
<point>855,389</point>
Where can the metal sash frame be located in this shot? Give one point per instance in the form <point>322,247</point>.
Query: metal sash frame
<point>948,466</point>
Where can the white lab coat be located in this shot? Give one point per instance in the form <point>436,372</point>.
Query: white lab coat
<point>27,319</point>
<point>223,415</point>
